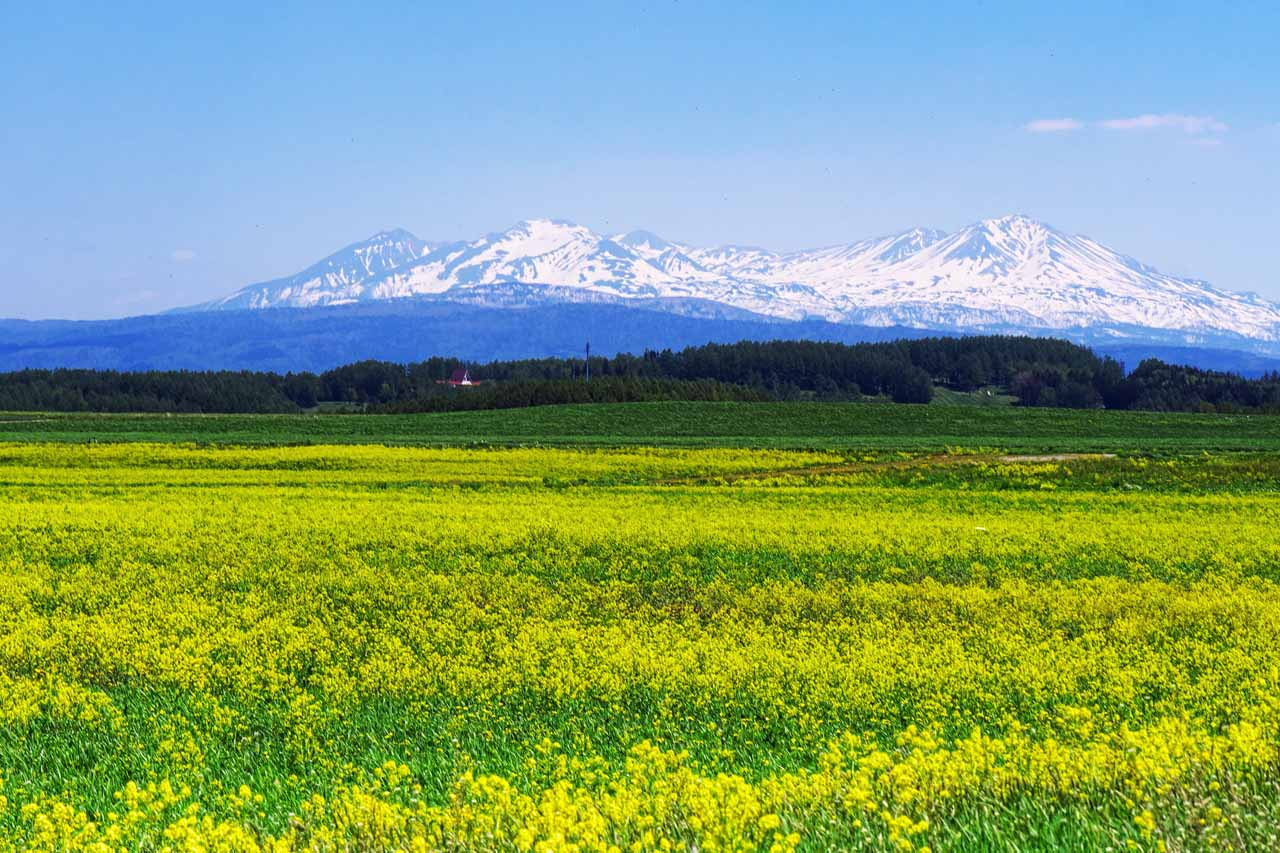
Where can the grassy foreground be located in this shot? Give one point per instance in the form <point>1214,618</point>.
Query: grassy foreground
<point>794,425</point>
<point>365,648</point>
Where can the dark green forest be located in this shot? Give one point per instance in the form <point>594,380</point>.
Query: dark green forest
<point>1035,371</point>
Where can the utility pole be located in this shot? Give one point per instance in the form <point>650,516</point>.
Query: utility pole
<point>588,361</point>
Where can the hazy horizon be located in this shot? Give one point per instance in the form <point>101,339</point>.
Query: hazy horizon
<point>156,158</point>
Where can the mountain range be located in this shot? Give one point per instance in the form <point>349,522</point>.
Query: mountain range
<point>1011,274</point>
<point>545,287</point>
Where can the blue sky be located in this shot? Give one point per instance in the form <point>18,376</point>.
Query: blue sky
<point>153,156</point>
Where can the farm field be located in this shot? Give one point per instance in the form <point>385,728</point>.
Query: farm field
<point>782,425</point>
<point>344,647</point>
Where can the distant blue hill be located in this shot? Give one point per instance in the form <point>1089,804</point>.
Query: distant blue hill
<point>404,330</point>
<point>316,339</point>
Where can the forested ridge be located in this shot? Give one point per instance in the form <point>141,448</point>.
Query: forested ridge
<point>1035,371</point>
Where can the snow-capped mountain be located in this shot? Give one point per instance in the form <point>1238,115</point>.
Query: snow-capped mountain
<point>1009,274</point>
<point>338,279</point>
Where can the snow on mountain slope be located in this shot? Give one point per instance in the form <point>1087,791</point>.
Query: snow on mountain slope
<point>1007,273</point>
<point>340,278</point>
<point>1017,271</point>
<point>544,252</point>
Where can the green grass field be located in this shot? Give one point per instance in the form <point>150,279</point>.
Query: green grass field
<point>795,425</point>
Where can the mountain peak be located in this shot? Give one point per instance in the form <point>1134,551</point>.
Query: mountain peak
<point>904,245</point>
<point>393,235</point>
<point>546,225</point>
<point>1018,225</point>
<point>639,238</point>
<point>1015,219</point>
<point>999,245</point>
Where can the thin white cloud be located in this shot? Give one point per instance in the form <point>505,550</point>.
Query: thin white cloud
<point>1052,125</point>
<point>1152,121</point>
<point>183,256</point>
<point>1205,141</point>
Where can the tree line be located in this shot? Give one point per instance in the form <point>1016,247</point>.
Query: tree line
<point>1036,371</point>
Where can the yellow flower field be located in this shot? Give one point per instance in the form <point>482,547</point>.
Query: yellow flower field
<point>366,648</point>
